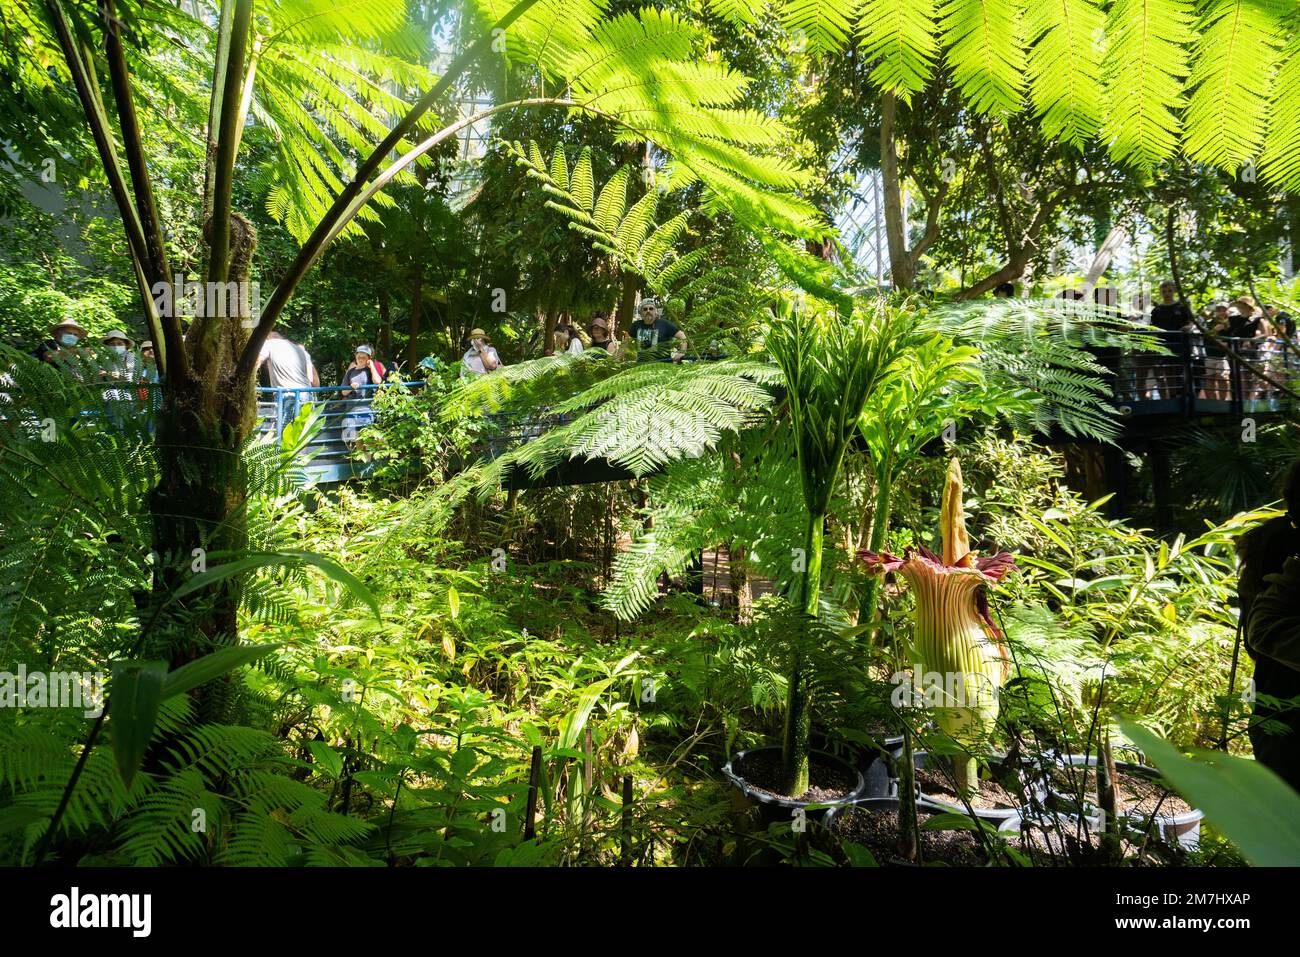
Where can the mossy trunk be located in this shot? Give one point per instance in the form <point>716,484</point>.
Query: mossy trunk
<point>198,506</point>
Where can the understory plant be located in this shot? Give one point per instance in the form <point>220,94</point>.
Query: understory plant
<point>832,363</point>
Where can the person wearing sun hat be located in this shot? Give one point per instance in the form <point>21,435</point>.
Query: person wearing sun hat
<point>115,361</point>
<point>599,332</point>
<point>481,357</point>
<point>65,334</point>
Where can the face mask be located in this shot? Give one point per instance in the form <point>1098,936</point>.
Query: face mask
<point>120,350</point>
<point>68,339</point>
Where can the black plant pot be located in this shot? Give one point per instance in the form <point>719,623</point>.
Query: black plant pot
<point>863,804</point>
<point>1184,829</point>
<point>774,807</point>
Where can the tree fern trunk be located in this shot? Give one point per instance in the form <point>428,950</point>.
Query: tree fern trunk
<point>624,318</point>
<point>901,266</point>
<point>198,504</point>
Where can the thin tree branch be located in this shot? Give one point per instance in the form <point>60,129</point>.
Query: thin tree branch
<point>81,70</point>
<point>218,224</point>
<point>156,268</point>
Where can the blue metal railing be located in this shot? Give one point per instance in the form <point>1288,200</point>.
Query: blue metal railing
<point>1198,377</point>
<point>343,412</point>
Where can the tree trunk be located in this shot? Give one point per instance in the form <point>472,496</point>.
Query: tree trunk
<point>821,248</point>
<point>1011,272</point>
<point>385,327</point>
<point>625,316</point>
<point>549,320</point>
<point>417,306</point>
<point>198,505</point>
<point>1101,262</point>
<point>1171,238</point>
<point>901,267</point>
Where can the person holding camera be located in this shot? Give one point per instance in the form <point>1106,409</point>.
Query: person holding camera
<point>481,357</point>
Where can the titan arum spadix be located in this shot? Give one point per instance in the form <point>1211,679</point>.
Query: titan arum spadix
<point>954,637</point>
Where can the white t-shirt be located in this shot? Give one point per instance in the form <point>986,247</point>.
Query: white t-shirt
<point>288,366</point>
<point>575,345</point>
<point>473,361</point>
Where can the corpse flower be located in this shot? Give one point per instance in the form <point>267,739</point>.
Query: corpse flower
<point>953,634</point>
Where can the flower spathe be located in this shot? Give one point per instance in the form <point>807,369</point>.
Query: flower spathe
<point>953,633</point>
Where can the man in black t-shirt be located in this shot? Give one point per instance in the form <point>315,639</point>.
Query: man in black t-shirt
<point>1171,314</point>
<point>653,333</point>
<point>1173,317</point>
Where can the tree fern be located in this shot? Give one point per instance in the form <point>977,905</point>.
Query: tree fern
<point>1145,65</point>
<point>823,25</point>
<point>642,417</point>
<point>328,78</point>
<point>1280,161</point>
<point>1237,47</point>
<point>985,52</point>
<point>902,38</point>
<point>629,236</point>
<point>746,495</point>
<point>1065,67</point>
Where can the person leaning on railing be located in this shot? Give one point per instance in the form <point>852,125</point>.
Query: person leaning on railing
<point>1217,370</point>
<point>288,368</point>
<point>365,370</point>
<point>653,334</point>
<point>1173,317</point>
<point>1267,353</point>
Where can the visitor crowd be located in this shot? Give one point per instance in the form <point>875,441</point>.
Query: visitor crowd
<point>1201,348</point>
<point>1199,359</point>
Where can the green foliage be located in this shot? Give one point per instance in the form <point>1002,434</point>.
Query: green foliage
<point>639,415</point>
<point>329,79</point>
<point>831,365</point>
<point>1143,73</point>
<point>1250,804</point>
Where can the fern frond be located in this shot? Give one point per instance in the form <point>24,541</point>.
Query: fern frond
<point>1066,39</point>
<point>1145,66</point>
<point>1236,59</point>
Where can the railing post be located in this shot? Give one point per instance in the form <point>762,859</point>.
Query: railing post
<point>1234,377</point>
<point>1189,374</point>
